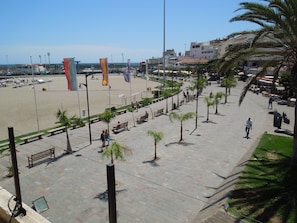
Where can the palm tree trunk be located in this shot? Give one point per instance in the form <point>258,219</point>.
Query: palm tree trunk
<point>111,157</point>
<point>155,150</point>
<point>181,131</point>
<point>294,152</point>
<point>166,105</point>
<point>226,91</point>
<point>69,149</point>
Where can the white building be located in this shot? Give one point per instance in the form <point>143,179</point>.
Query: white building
<point>203,51</point>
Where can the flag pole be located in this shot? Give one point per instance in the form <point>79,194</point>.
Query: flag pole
<point>36,109</point>
<point>146,76</point>
<point>109,96</point>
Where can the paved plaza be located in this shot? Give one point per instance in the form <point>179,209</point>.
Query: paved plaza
<point>187,183</point>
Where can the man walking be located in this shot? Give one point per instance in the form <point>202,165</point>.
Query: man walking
<point>248,127</point>
<point>270,103</point>
<point>102,137</point>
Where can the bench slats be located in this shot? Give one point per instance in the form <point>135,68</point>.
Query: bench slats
<point>40,155</point>
<point>27,138</point>
<point>120,127</point>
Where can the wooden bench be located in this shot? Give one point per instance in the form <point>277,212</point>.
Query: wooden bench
<point>122,111</point>
<point>95,119</point>
<point>30,137</point>
<point>4,146</point>
<point>142,119</point>
<point>56,130</point>
<point>120,127</point>
<point>159,112</point>
<point>38,156</point>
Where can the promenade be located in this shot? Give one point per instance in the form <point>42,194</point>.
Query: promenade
<point>188,183</point>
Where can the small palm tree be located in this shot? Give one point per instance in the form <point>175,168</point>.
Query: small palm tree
<point>209,102</point>
<point>217,98</point>
<point>181,118</point>
<point>130,109</point>
<point>77,122</point>
<point>107,116</point>
<point>65,121</point>
<point>158,136</point>
<point>228,82</point>
<point>116,151</point>
<point>166,94</point>
<point>147,102</point>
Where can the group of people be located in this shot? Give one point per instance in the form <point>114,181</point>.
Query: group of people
<point>105,138</point>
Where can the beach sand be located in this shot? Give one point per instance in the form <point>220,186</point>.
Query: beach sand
<point>18,108</point>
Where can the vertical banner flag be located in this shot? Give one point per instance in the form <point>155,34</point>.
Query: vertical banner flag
<point>104,69</point>
<point>70,72</point>
<point>127,72</point>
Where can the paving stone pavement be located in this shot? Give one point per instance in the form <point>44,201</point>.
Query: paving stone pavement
<point>189,182</point>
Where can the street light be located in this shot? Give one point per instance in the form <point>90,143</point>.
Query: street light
<point>172,90</point>
<point>197,95</point>
<point>86,85</point>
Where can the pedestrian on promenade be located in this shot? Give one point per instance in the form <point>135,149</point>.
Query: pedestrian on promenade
<point>107,137</point>
<point>270,103</point>
<point>102,137</point>
<point>248,127</point>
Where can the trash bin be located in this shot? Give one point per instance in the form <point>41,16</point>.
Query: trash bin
<point>277,120</point>
<point>83,113</point>
<point>174,106</point>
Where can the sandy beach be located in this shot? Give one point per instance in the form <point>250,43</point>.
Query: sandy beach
<point>18,108</point>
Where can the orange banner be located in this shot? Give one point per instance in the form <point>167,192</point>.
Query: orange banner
<point>104,69</point>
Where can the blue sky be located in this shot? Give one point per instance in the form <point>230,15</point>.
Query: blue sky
<point>116,29</point>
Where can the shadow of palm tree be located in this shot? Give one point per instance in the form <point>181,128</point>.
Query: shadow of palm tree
<point>209,121</point>
<point>104,195</point>
<point>267,188</point>
<point>183,143</point>
<point>152,162</point>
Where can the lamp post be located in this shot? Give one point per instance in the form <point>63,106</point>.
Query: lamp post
<point>164,47</point>
<point>172,89</point>
<point>197,95</point>
<point>87,92</point>
<point>35,100</point>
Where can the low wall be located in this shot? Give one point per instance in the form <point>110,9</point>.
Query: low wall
<point>30,217</point>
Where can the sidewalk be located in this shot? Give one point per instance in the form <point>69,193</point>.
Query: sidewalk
<point>188,183</point>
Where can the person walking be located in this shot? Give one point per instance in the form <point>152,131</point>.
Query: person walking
<point>248,127</point>
<point>270,103</point>
<point>107,136</point>
<point>102,137</point>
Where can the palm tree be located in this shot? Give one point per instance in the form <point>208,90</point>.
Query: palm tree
<point>166,94</point>
<point>199,84</point>
<point>65,121</point>
<point>217,98</point>
<point>209,102</point>
<point>107,116</point>
<point>181,118</point>
<point>158,136</point>
<point>228,82</point>
<point>275,41</point>
<point>116,151</point>
<point>147,102</point>
<point>130,109</point>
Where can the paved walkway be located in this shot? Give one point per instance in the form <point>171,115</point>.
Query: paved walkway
<point>188,183</point>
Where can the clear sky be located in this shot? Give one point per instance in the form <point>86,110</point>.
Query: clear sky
<point>116,29</point>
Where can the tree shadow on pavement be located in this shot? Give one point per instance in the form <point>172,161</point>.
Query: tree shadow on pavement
<point>152,162</point>
<point>183,143</point>
<point>267,189</point>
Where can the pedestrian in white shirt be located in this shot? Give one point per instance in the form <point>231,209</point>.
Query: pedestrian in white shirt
<point>248,127</point>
